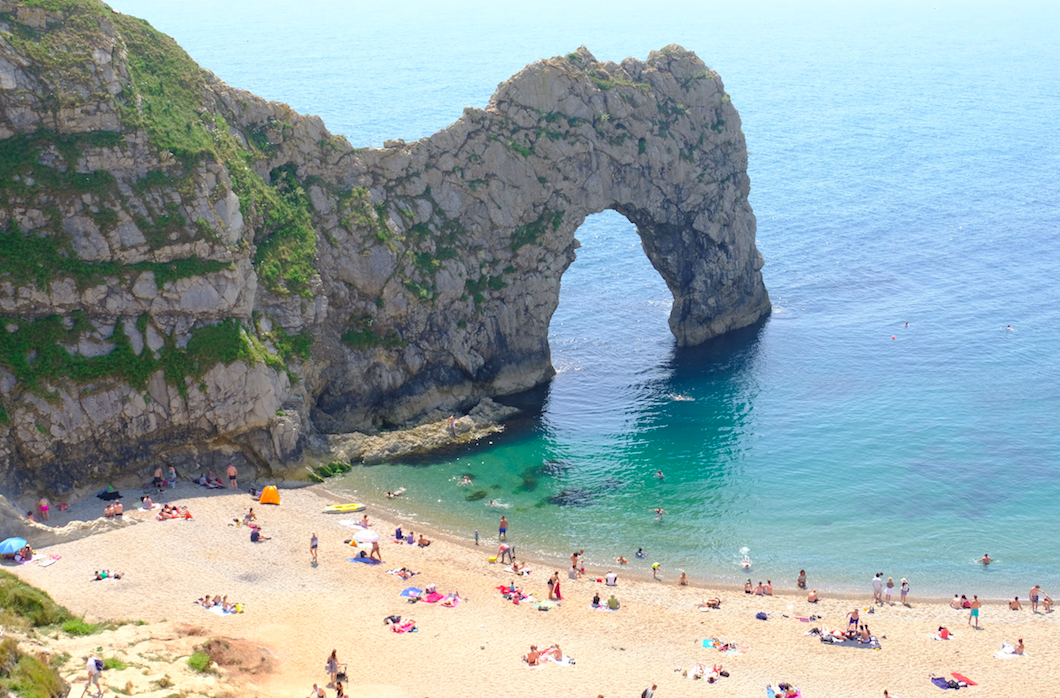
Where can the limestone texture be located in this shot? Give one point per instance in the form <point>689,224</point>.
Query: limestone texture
<point>194,275</point>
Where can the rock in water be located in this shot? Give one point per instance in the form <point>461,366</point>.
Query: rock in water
<point>163,303</point>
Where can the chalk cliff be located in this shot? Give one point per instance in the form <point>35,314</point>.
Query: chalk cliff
<point>191,274</point>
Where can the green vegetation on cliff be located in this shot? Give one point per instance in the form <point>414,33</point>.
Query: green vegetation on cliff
<point>166,98</point>
<point>35,351</point>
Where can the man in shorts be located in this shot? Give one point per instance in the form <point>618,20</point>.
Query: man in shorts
<point>93,674</point>
<point>1034,597</point>
<point>232,476</point>
<point>504,529</point>
<point>313,546</point>
<point>975,606</point>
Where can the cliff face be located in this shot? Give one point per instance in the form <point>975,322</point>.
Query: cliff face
<point>189,273</point>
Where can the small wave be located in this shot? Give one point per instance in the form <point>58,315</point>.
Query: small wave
<point>676,397</point>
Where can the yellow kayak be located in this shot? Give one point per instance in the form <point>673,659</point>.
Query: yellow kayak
<point>342,508</point>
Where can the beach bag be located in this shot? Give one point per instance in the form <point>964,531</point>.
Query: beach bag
<point>761,616</point>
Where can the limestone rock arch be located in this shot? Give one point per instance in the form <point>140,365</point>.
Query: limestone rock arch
<point>487,210</point>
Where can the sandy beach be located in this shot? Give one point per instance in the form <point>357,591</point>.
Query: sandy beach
<point>298,613</point>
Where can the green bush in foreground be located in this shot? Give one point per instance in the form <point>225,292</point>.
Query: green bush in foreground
<point>27,676</point>
<point>26,606</point>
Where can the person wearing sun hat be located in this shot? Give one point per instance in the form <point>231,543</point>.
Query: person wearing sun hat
<point>905,590</point>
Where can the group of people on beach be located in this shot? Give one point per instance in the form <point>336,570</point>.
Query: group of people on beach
<point>221,602</point>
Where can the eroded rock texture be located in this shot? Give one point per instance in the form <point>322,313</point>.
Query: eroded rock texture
<point>190,274</point>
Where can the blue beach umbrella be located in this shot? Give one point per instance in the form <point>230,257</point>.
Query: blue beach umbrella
<point>12,545</point>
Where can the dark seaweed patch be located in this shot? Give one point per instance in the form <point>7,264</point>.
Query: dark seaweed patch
<point>572,497</point>
<point>476,495</point>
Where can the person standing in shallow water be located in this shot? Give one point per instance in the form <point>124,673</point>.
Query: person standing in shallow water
<point>503,531</point>
<point>801,581</point>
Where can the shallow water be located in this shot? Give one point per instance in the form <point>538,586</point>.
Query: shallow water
<point>904,167</point>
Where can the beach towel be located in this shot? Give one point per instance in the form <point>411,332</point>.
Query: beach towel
<point>450,602</point>
<point>412,593</point>
<point>601,607</point>
<point>1002,654</point>
<point>403,628</point>
<point>50,561</point>
<point>962,677</point>
<point>365,560</point>
<point>219,611</point>
<point>940,682</point>
<point>434,597</point>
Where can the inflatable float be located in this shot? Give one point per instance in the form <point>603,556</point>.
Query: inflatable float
<point>342,508</point>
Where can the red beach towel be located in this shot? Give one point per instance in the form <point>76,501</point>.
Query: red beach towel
<point>962,677</point>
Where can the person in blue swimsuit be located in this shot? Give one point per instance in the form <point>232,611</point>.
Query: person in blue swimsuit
<point>504,529</point>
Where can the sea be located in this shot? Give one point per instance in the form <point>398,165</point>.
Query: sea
<point>896,413</point>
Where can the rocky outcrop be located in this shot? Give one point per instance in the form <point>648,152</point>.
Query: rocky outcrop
<point>190,274</point>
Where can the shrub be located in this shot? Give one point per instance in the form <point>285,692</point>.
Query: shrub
<point>33,606</point>
<point>78,626</point>
<point>200,661</point>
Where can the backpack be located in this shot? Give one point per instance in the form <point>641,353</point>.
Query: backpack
<point>99,665</point>
<point>761,616</point>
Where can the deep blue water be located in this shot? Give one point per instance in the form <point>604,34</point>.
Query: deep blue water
<point>905,167</point>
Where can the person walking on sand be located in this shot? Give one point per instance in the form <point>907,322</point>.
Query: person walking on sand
<point>975,606</point>
<point>648,692</point>
<point>503,532</point>
<point>555,587</point>
<point>313,546</point>
<point>232,477</point>
<point>332,667</point>
<point>1035,591</point>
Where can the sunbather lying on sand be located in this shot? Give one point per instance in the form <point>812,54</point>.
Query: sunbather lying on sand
<point>423,542</point>
<point>710,603</point>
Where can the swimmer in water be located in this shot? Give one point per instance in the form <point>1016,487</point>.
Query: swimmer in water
<point>986,559</point>
<point>466,480</point>
<point>659,511</point>
<point>492,503</point>
<point>746,562</point>
<point>622,560</point>
<point>640,553</point>
<point>658,474</point>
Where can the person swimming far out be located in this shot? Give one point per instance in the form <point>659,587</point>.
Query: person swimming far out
<point>659,511</point>
<point>746,562</point>
<point>659,474</point>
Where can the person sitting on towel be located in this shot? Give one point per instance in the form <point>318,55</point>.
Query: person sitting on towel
<point>612,603</point>
<point>398,535</point>
<point>533,657</point>
<point>865,636</point>
<point>943,633</point>
<point>596,600</point>
<point>812,597</point>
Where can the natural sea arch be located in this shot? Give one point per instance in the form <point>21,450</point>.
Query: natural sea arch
<point>486,211</point>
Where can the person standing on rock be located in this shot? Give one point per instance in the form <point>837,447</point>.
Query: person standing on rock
<point>452,425</point>
<point>44,505</point>
<point>232,477</point>
<point>503,534</point>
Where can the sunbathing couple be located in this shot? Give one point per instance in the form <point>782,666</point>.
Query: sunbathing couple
<point>220,601</point>
<point>25,554</point>
<point>534,657</point>
<point>112,510</point>
<point>714,603</point>
<point>107,574</point>
<point>211,481</point>
<point>172,511</point>
<point>699,671</point>
<point>612,602</point>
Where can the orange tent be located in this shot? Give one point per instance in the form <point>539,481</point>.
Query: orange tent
<point>269,495</point>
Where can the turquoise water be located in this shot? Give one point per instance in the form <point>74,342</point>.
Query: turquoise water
<point>905,167</point>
